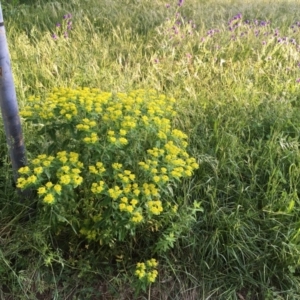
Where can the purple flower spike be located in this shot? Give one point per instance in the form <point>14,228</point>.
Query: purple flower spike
<point>298,80</point>
<point>58,25</point>
<point>67,16</point>
<point>54,36</point>
<point>168,5</point>
<point>180,2</point>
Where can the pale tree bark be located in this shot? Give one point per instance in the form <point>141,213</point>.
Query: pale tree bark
<point>9,106</point>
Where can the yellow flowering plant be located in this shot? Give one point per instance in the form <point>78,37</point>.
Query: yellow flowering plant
<point>146,273</point>
<point>109,165</point>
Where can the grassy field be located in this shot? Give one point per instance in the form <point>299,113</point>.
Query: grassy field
<point>233,68</point>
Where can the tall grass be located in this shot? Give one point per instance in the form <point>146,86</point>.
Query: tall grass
<point>237,97</point>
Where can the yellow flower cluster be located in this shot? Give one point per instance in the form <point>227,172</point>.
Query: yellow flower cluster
<point>131,189</point>
<point>92,139</point>
<point>22,182</point>
<point>137,217</point>
<point>119,140</point>
<point>86,124</point>
<point>43,160</point>
<point>147,270</point>
<point>97,169</point>
<point>150,190</point>
<point>125,206</point>
<point>69,174</point>
<point>98,187</point>
<point>126,176</point>
<point>155,207</point>
<point>115,192</point>
<point>67,168</point>
<point>140,155</point>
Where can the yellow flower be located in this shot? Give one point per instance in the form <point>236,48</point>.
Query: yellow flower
<point>75,171</point>
<point>140,273</point>
<point>116,166</point>
<point>77,180</point>
<point>115,192</point>
<point>155,207</point>
<point>74,156</point>
<point>97,188</point>
<point>41,190</point>
<point>36,161</point>
<point>156,179</point>
<point>122,206</point>
<point>63,159</point>
<point>134,202</point>
<point>46,163</point>
<point>124,199</point>
<point>163,170</point>
<point>32,179</point>
<point>112,139</point>
<point>151,276</point>
<point>57,188</point>
<point>21,182</point>
<point>123,141</point>
<point>49,184</point>
<point>65,179</point>
<point>137,217</point>
<point>65,169</point>
<point>123,132</point>
<point>49,199</point>
<point>152,262</point>
<point>24,170</point>
<point>93,170</point>
<point>136,192</point>
<point>165,178</point>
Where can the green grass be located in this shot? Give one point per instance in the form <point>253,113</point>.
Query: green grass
<point>238,101</point>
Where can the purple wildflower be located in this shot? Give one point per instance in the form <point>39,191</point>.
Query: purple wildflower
<point>67,16</point>
<point>57,25</point>
<point>298,80</point>
<point>180,2</point>
<point>168,5</point>
<point>54,36</point>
